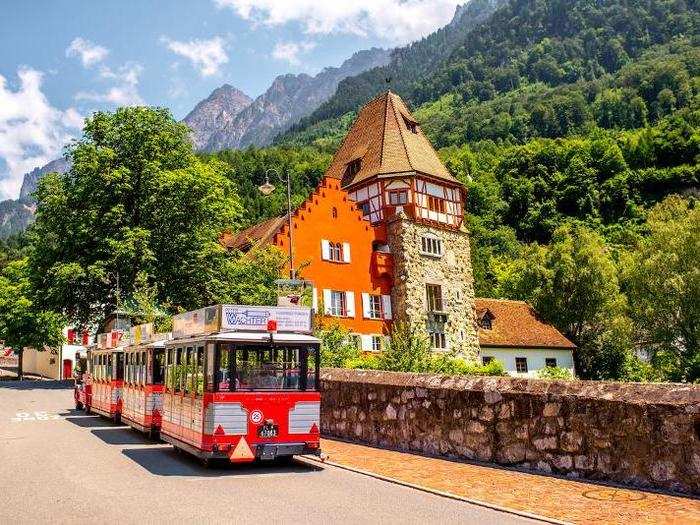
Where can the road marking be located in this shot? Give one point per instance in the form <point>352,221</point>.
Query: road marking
<point>34,416</point>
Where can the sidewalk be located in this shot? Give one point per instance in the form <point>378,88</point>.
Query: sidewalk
<point>561,499</point>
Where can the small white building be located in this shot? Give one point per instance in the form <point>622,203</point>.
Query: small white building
<point>513,333</point>
<point>55,363</point>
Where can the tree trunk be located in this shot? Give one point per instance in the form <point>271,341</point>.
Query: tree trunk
<point>20,358</point>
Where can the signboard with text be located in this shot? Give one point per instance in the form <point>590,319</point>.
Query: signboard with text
<point>255,318</point>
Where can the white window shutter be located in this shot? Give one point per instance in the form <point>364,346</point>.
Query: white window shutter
<point>346,252</point>
<point>386,304</point>
<point>365,306</point>
<point>325,250</point>
<point>314,299</point>
<point>350,303</point>
<point>326,301</point>
<point>366,343</point>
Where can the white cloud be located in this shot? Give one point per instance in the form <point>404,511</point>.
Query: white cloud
<point>290,51</point>
<point>396,21</point>
<point>32,131</point>
<point>89,53</point>
<point>207,56</point>
<point>124,93</point>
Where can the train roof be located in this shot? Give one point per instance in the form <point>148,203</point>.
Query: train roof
<point>249,337</point>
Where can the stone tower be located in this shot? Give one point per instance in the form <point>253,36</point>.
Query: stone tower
<point>390,169</point>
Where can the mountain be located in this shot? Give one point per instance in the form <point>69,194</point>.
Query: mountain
<point>31,179</point>
<point>214,112</point>
<point>522,69</point>
<point>16,215</point>
<point>407,64</point>
<point>228,120</point>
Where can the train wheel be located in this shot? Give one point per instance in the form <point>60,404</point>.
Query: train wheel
<point>78,405</point>
<point>117,418</point>
<point>87,409</point>
<point>206,463</point>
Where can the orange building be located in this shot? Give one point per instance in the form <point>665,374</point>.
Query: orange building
<point>381,238</point>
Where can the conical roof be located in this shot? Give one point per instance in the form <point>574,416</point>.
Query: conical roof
<point>386,139</point>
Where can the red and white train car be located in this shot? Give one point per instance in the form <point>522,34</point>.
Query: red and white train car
<point>241,383</point>
<point>144,369</point>
<point>104,381</point>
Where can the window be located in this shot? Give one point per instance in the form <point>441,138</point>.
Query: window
<point>265,368</point>
<point>376,343</point>
<point>335,252</point>
<point>485,322</point>
<point>338,306</point>
<point>412,126</point>
<point>354,167</point>
<point>398,197</point>
<point>434,295</point>
<point>158,366</point>
<point>438,340</point>
<point>486,359</point>
<point>364,208</point>
<point>436,204</point>
<point>550,362</point>
<point>521,365</point>
<point>375,307</point>
<point>199,371</point>
<point>431,245</point>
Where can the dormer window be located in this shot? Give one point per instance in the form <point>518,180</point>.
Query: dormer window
<point>411,125</point>
<point>354,167</point>
<point>485,321</point>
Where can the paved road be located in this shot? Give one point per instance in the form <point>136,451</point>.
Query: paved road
<point>59,465</point>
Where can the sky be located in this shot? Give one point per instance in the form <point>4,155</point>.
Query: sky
<point>61,60</point>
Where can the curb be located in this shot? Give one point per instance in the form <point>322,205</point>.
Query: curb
<point>440,493</point>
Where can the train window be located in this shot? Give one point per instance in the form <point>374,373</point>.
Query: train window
<point>142,377</point>
<point>119,366</point>
<point>313,368</point>
<point>176,370</point>
<point>261,368</point>
<point>169,369</point>
<point>223,378</point>
<point>210,361</point>
<point>158,366</point>
<point>188,370</point>
<point>199,375</point>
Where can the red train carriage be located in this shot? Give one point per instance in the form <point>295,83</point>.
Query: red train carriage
<point>241,383</point>
<point>142,395</point>
<point>104,380</point>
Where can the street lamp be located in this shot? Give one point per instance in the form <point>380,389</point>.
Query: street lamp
<point>267,189</point>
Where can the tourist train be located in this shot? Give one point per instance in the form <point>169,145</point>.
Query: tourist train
<point>230,382</point>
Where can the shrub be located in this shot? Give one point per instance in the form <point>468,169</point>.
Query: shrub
<point>336,346</point>
<point>554,372</point>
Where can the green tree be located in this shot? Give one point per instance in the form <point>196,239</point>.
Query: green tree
<point>137,201</point>
<point>663,284</point>
<point>573,284</point>
<point>22,322</point>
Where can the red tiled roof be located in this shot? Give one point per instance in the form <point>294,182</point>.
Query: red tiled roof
<point>517,324</point>
<point>260,233</point>
<point>381,138</point>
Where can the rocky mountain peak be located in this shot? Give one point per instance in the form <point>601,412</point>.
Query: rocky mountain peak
<point>221,106</point>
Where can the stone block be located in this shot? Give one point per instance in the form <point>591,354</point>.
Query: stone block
<point>546,443</point>
<point>571,441</point>
<point>551,409</point>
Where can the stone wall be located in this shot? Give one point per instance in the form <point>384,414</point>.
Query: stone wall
<point>637,434</point>
<point>453,272</point>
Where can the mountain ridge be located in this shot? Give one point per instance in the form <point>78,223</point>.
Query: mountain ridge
<point>222,121</point>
